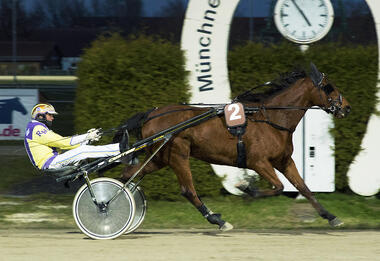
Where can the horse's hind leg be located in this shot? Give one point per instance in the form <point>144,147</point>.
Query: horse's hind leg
<point>264,169</point>
<point>179,162</point>
<point>291,173</point>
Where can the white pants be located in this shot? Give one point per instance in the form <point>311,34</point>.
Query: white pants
<point>84,152</point>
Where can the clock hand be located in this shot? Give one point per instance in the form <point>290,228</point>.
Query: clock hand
<point>301,12</point>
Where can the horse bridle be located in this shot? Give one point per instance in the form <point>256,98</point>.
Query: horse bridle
<point>334,105</point>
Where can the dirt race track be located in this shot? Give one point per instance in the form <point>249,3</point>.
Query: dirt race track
<point>202,245</point>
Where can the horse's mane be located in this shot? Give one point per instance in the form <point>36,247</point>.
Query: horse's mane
<point>281,83</point>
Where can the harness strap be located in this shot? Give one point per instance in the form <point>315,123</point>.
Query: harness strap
<point>274,125</point>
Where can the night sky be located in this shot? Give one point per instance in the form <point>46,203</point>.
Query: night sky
<point>246,8</point>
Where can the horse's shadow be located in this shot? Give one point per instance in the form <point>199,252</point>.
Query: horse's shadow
<point>220,234</point>
<point>216,233</point>
<point>148,234</point>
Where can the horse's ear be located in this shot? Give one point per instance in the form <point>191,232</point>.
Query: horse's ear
<point>315,75</point>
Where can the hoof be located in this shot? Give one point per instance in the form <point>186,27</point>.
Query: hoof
<point>226,226</point>
<point>242,185</point>
<point>335,222</point>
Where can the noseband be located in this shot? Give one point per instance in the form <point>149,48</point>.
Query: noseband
<point>334,105</point>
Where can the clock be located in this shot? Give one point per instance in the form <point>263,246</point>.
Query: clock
<point>303,21</point>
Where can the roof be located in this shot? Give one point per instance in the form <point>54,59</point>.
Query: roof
<point>27,51</point>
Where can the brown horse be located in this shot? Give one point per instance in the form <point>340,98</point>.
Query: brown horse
<point>267,137</point>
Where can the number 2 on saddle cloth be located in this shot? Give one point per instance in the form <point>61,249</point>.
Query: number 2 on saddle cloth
<point>236,123</point>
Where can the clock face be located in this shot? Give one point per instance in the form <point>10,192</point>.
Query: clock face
<point>303,21</point>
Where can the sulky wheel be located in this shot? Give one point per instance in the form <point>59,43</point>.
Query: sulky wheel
<point>102,220</point>
<point>140,203</point>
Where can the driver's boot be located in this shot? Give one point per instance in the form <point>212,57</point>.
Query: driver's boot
<point>129,159</point>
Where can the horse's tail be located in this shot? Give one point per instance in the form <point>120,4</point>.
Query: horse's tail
<point>133,125</point>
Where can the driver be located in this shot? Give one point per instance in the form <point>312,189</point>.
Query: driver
<point>42,144</point>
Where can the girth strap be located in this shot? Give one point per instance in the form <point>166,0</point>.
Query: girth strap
<point>236,124</point>
<point>241,152</point>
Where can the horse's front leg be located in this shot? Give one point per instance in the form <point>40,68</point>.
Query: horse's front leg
<point>179,162</point>
<point>130,170</point>
<point>291,173</point>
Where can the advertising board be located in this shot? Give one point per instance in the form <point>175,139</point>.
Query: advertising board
<point>15,107</point>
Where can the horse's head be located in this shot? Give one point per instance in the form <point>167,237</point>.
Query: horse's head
<point>330,99</point>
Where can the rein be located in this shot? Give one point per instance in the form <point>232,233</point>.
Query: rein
<point>110,131</point>
<point>167,112</point>
<point>256,109</point>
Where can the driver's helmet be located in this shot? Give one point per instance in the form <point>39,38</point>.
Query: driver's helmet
<point>42,109</point>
